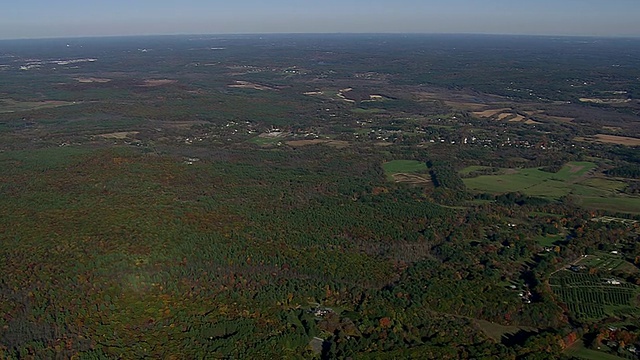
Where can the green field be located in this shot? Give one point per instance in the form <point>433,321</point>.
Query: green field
<point>597,193</point>
<point>497,331</point>
<point>607,262</point>
<point>580,351</point>
<point>531,181</point>
<point>622,204</point>
<point>266,141</point>
<point>548,240</point>
<point>404,166</point>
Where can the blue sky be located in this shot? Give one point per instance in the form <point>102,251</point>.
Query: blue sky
<point>62,18</point>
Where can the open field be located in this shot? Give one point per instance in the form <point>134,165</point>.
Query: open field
<point>411,179</point>
<point>489,113</point>
<point>158,82</point>
<point>607,262</point>
<point>249,85</point>
<point>580,351</point>
<point>621,140</point>
<point>532,181</point>
<point>334,143</point>
<point>119,135</point>
<point>9,105</point>
<point>621,204</point>
<point>86,80</point>
<point>604,101</point>
<point>497,331</point>
<point>572,179</point>
<point>548,240</point>
<point>611,139</point>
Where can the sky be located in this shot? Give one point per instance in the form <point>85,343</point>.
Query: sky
<point>74,18</point>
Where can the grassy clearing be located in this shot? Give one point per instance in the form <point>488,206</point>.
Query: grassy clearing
<point>404,166</point>
<point>497,331</point>
<point>604,261</point>
<point>580,351</point>
<point>532,181</point>
<point>600,183</point>
<point>617,204</point>
<point>548,240</point>
<point>591,192</point>
<point>265,141</point>
<point>574,170</point>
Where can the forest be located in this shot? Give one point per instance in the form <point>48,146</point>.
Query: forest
<point>320,197</point>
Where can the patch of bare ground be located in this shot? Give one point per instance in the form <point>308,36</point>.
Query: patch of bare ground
<point>517,118</point>
<point>531,122</point>
<point>574,168</point>
<point>621,140</point>
<point>504,116</point>
<point>86,80</point>
<point>489,112</point>
<point>119,135</point>
<point>335,143</point>
<point>250,85</point>
<point>604,101</point>
<point>383,143</point>
<point>313,93</point>
<point>411,179</point>
<point>158,82</point>
<point>344,91</point>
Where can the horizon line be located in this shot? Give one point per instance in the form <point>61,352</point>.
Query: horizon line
<point>323,33</point>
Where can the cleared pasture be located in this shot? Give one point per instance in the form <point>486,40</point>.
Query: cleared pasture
<point>531,181</point>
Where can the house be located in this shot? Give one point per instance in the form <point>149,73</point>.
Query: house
<point>612,281</point>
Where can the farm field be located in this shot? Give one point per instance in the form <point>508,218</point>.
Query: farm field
<point>607,262</point>
<point>531,181</point>
<point>591,297</point>
<point>616,204</point>
<point>572,179</point>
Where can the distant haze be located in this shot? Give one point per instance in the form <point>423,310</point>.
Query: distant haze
<point>71,18</point>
